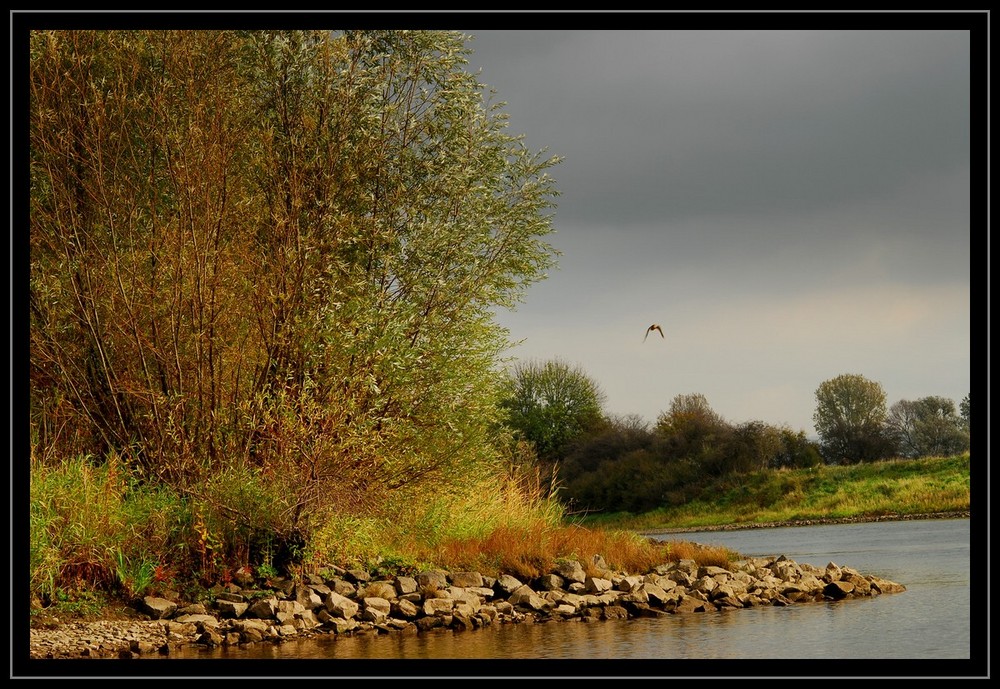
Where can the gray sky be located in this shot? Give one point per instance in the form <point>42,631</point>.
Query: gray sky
<point>789,206</point>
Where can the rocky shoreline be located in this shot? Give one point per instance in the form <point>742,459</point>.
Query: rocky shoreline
<point>348,602</point>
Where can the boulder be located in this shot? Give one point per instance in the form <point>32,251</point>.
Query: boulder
<point>466,579</point>
<point>506,585</point>
<point>432,579</point>
<point>158,608</point>
<point>570,570</point>
<point>341,606</point>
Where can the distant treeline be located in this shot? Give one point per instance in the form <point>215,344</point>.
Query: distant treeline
<point>623,464</point>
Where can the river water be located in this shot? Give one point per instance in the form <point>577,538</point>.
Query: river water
<point>926,627</point>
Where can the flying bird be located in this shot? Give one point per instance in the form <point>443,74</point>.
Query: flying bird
<point>653,327</point>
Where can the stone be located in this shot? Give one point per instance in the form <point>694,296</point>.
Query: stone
<point>437,606</point>
<point>405,609</point>
<point>550,582</point>
<point>525,597</point>
<point>158,608</point>
<point>614,612</point>
<point>436,579</point>
<point>466,579</point>
<point>506,585</point>
<point>358,576</point>
<point>231,608</point>
<point>598,585</point>
<point>378,589</point>
<point>405,585</point>
<point>341,606</point>
<point>838,589</point>
<point>264,609</point>
<point>570,570</point>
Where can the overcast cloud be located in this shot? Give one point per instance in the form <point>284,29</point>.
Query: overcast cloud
<point>788,205</point>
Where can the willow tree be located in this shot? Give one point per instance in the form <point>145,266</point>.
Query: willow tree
<point>277,249</point>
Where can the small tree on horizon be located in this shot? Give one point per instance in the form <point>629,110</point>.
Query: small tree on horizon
<point>850,419</point>
<point>927,427</point>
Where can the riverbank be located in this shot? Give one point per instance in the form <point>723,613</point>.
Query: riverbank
<point>963,514</point>
<point>352,602</point>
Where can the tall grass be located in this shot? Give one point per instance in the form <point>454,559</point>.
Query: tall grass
<point>495,525</point>
<point>86,531</point>
<point>94,525</point>
<point>411,526</point>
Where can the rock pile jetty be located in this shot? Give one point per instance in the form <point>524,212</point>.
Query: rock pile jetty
<point>355,602</point>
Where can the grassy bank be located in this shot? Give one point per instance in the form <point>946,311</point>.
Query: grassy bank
<point>896,487</point>
<point>99,539</point>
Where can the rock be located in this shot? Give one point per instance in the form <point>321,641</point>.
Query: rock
<point>437,606</point>
<point>630,583</point>
<point>209,620</point>
<point>550,582</point>
<point>264,609</point>
<point>378,589</point>
<point>598,585</point>
<point>884,586</point>
<point>526,597</point>
<point>405,609</point>
<point>340,606</point>
<point>570,570</point>
<point>433,579</point>
<point>838,589</point>
<point>306,597</point>
<point>506,585</point>
<point>230,608</point>
<point>158,608</point>
<point>405,585</point>
<point>231,597</point>
<point>614,612</point>
<point>466,579</point>
<point>358,576</point>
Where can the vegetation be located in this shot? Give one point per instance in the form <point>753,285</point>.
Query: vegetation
<point>628,466</point>
<point>263,274</point>
<point>94,533</point>
<point>891,487</point>
<point>850,419</point>
<point>549,405</point>
<point>928,426</point>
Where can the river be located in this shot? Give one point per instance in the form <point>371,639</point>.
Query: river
<point>926,627</point>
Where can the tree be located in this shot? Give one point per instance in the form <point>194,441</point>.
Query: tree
<point>551,404</point>
<point>849,417</point>
<point>692,431</point>
<point>276,248</point>
<point>797,451</point>
<point>617,437</point>
<point>752,446</point>
<point>927,427</point>
<point>965,412</point>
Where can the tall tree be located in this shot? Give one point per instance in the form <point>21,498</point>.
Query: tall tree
<point>849,418</point>
<point>281,248</point>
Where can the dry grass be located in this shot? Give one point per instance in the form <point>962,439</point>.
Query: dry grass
<point>530,552</point>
